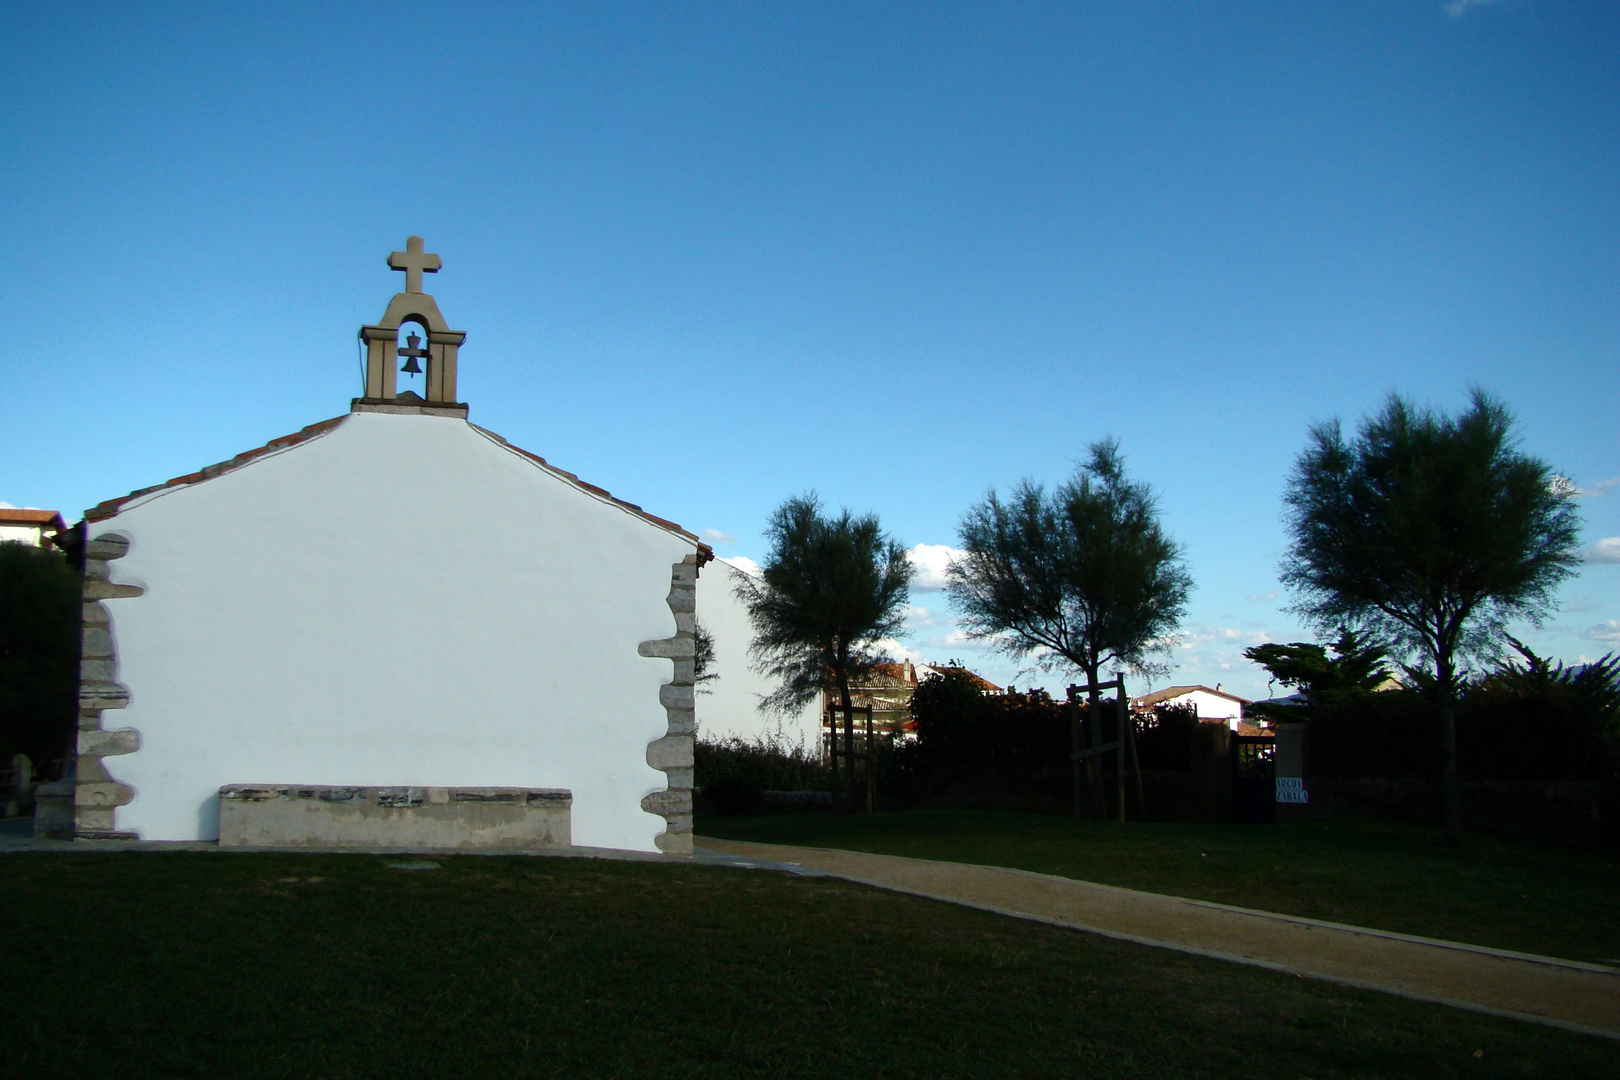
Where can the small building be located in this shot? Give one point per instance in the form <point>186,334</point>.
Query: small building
<point>888,691</point>
<point>23,525</point>
<point>1208,703</point>
<point>482,650</point>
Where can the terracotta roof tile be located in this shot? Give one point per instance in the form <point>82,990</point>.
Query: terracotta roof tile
<point>705,552</point>
<point>104,510</point>
<point>29,516</point>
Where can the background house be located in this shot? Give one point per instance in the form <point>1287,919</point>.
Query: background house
<point>35,528</point>
<point>888,691</point>
<point>1208,703</point>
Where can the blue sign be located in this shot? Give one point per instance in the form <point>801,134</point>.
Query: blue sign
<point>1291,789</point>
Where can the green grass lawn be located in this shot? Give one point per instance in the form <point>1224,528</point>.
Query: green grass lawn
<point>1511,896</point>
<point>327,966</point>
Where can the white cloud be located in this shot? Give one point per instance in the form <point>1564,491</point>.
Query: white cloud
<point>900,650</point>
<point>1605,550</point>
<point>930,561</point>
<point>1599,489</point>
<point>1607,632</point>
<point>1264,598</point>
<point>743,563</point>
<point>6,506</point>
<point>1202,636</point>
<point>921,618</point>
<point>1458,8</point>
<point>715,536</point>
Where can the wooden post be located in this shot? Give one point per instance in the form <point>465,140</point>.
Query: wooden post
<point>830,729</point>
<point>1119,779</point>
<point>1136,761</point>
<point>1099,802</point>
<point>1074,745</point>
<point>849,753</point>
<point>871,763</point>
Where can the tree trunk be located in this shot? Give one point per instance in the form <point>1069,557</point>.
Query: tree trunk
<point>1448,768</point>
<point>1075,746</point>
<point>849,737</point>
<point>1450,783</point>
<point>1099,805</point>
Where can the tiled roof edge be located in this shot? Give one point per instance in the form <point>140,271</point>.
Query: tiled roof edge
<point>104,510</point>
<point>705,552</point>
<point>28,515</point>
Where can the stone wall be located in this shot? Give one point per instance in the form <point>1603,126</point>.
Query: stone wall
<point>97,795</point>
<point>275,815</point>
<point>673,752</point>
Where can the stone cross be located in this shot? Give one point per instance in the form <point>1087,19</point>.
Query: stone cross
<point>415,262</point>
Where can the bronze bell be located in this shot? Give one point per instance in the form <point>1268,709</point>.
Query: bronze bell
<point>411,351</point>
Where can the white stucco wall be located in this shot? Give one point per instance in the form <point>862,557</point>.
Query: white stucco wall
<point>401,600</point>
<point>20,534</point>
<point>729,705</point>
<point>1210,706</point>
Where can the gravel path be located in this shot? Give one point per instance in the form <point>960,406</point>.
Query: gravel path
<point>1563,993</point>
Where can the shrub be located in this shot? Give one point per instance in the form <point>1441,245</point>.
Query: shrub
<point>734,773</point>
<point>39,652</point>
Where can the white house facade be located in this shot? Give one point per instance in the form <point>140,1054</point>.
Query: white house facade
<point>1209,703</point>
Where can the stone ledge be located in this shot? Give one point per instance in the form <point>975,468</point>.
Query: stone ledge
<point>670,648</point>
<point>96,588</point>
<point>668,803</point>
<point>318,815</point>
<point>98,743</point>
<point>107,546</point>
<point>103,695</point>
<point>454,410</point>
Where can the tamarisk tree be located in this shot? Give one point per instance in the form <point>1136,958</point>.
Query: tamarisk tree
<point>1429,532</point>
<point>830,589</point>
<point>1079,577</point>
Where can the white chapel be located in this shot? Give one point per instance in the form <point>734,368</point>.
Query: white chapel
<point>309,645</point>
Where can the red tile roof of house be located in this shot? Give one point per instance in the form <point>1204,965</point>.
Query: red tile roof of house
<point>25,516</point>
<point>104,510</point>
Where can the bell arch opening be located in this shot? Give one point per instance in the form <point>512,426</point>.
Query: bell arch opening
<point>412,371</point>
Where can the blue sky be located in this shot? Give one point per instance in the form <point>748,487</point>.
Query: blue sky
<point>712,255</point>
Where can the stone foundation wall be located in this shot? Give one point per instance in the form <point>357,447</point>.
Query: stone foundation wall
<point>275,815</point>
